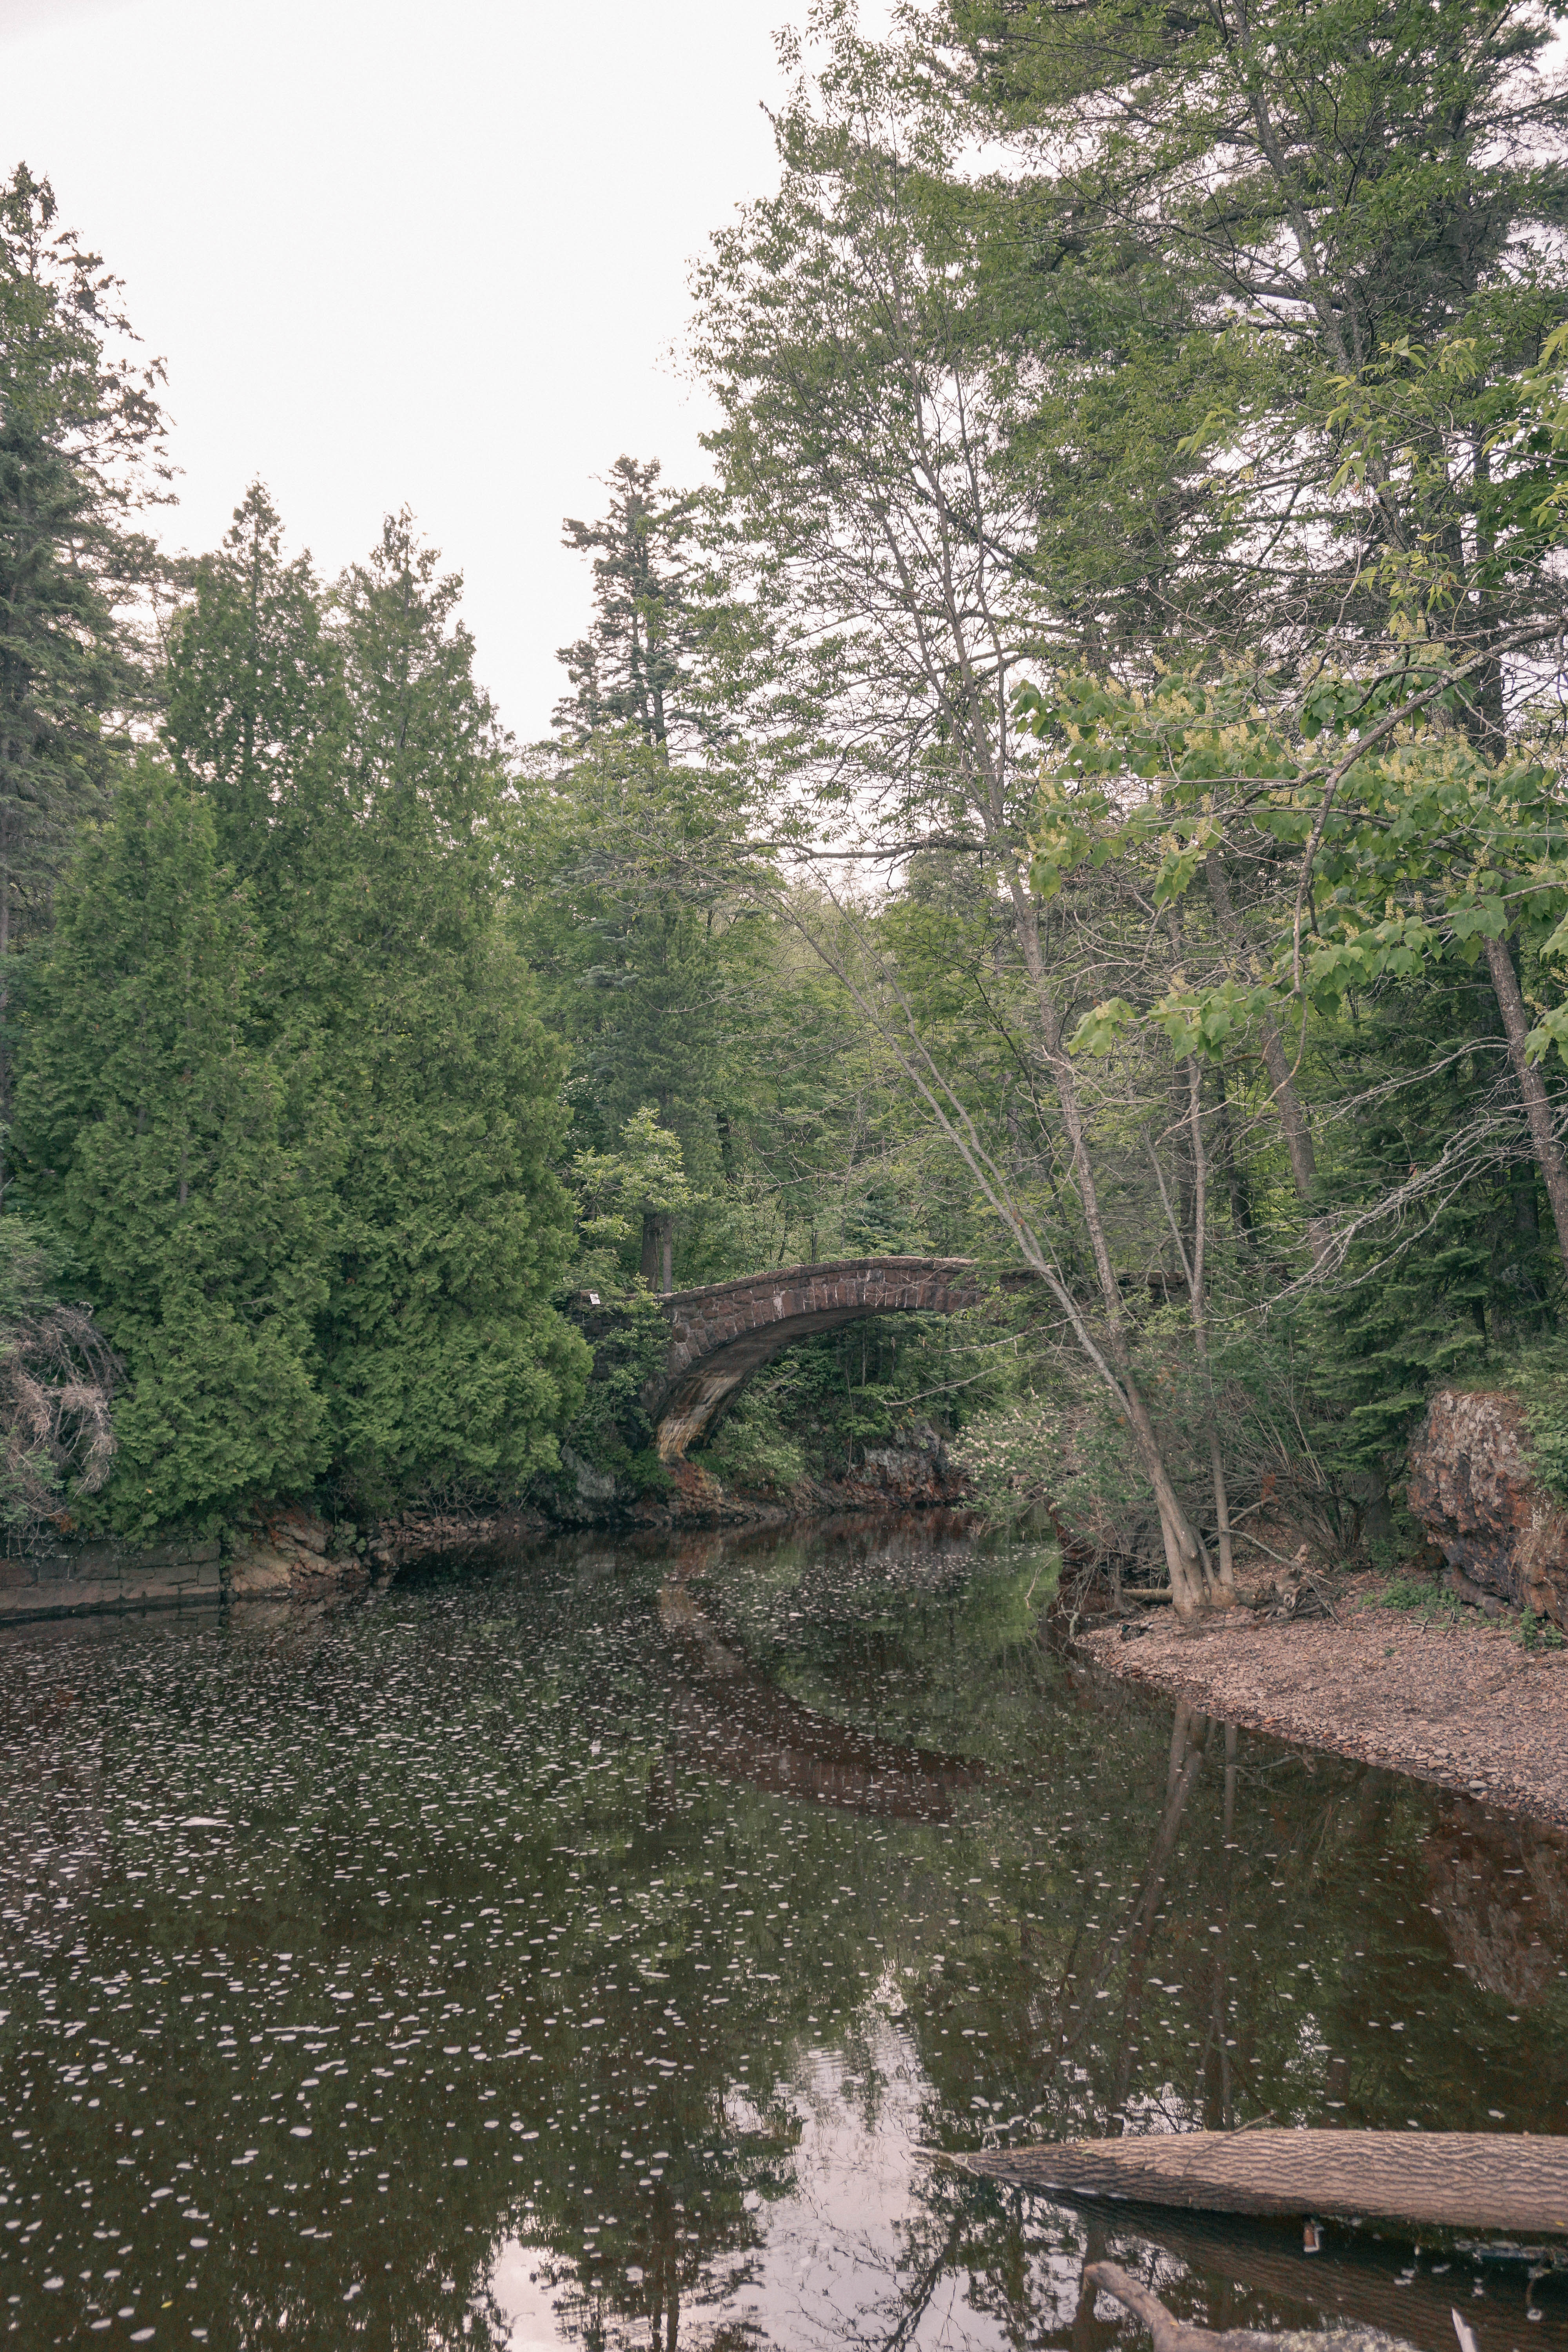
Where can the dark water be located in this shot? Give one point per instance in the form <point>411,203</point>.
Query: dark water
<point>589,1948</point>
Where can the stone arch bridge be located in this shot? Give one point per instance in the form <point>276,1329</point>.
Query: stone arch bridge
<point>718,1337</point>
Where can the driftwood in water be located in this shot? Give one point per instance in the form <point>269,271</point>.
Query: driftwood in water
<point>1463,2181</point>
<point>1357,2279</point>
<point>1173,2335</point>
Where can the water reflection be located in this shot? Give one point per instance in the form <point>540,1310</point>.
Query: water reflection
<point>741,1726</point>
<point>589,1947</point>
<point>1499,1886</point>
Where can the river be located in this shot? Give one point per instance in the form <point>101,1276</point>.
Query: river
<point>598,1945</point>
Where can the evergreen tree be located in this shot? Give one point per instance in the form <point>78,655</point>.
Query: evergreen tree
<point>150,1121</point>
<point>79,445</point>
<point>657,617</point>
<point>444,1362</point>
<point>258,715</point>
<point>1229,237</point>
<point>651,964</point>
<point>358,775</point>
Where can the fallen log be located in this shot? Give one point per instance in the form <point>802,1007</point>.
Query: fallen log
<point>1462,2180</point>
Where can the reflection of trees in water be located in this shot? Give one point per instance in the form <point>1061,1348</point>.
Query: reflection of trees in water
<point>742,1726</point>
<point>1187,2004</point>
<point>1499,1886</point>
<point>681,2296</point>
<point>1223,1866</point>
<point>1098,1853</point>
<point>1369,2283</point>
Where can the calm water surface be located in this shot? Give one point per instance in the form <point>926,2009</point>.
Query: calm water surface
<point>593,1948</point>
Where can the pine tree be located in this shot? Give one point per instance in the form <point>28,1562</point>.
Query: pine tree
<point>1230,237</point>
<point>150,1123</point>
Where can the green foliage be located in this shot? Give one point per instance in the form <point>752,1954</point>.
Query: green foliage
<point>1539,1377</point>
<point>1533,1633</point>
<point>1419,1594</point>
<point>620,1191</point>
<point>1419,1308</point>
<point>154,1132</point>
<point>814,1411</point>
<point>257,707</point>
<point>1142,557</point>
<point>299,1127</point>
<point>1363,313</point>
<point>647,1473</point>
<point>758,1442</point>
<point>1035,1457</point>
<point>629,1337</point>
<point>658,619</point>
<point>79,450</point>
<point>443,1364</point>
<point>630,906</point>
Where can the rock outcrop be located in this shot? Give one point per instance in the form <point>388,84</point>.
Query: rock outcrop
<point>1472,1488</point>
<point>285,1555</point>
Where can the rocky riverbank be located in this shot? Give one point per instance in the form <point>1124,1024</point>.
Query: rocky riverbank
<point>917,1476</point>
<point>1475,1697</point>
<point>1457,1701</point>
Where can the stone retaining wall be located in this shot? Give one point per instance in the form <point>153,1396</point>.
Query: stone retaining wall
<point>94,1578</point>
<point>283,1555</point>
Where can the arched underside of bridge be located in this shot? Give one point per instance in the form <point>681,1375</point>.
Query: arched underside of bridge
<point>720,1337</point>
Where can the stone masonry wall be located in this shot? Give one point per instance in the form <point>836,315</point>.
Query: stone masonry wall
<point>703,1322</point>
<point>720,1335</point>
<point>283,1556</point>
<point>104,1577</point>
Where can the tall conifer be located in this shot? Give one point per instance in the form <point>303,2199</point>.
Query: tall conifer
<point>258,715</point>
<point>445,1362</point>
<point>79,449</point>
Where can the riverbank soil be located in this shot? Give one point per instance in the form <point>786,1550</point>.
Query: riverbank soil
<point>1462,1703</point>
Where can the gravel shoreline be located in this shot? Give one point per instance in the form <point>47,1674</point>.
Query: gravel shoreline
<point>1465,1706</point>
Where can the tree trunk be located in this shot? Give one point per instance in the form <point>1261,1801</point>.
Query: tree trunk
<point>1192,1585</point>
<point>1193,1260</point>
<point>1461,2180</point>
<point>1200,1318</point>
<point>1537,1108</point>
<point>1237,1190</point>
<point>658,1248</point>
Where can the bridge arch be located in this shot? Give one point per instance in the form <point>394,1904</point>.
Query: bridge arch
<point>721,1335</point>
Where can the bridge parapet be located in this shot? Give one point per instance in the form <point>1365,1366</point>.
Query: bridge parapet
<point>722,1334</point>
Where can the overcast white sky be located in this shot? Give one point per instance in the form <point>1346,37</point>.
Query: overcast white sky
<point>404,252</point>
